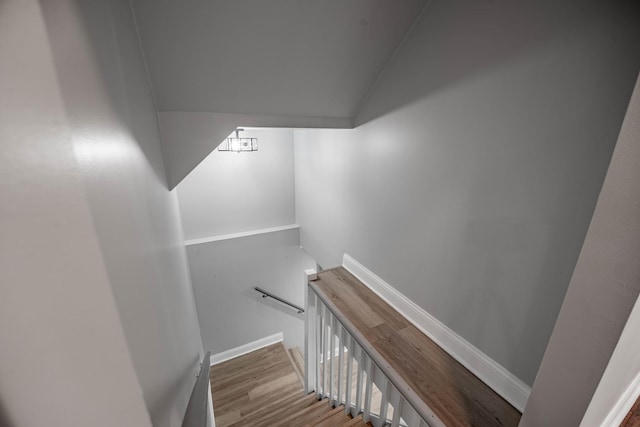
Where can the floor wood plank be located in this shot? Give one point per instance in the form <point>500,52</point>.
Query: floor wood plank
<point>263,389</point>
<point>633,417</point>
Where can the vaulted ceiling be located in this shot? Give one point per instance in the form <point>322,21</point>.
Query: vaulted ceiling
<point>314,58</point>
<point>218,64</point>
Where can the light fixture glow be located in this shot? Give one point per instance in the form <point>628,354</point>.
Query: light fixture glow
<point>238,144</point>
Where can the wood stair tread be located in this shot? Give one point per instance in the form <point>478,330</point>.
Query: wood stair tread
<point>291,353</point>
<point>298,359</point>
<point>333,418</point>
<point>355,422</point>
<point>277,414</point>
<point>275,409</point>
<point>307,415</point>
<point>261,389</point>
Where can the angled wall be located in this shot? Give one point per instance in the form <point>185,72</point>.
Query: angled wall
<point>64,359</point>
<point>224,273</point>
<point>603,289</point>
<point>114,130</point>
<point>472,176</point>
<point>237,192</point>
<point>189,137</point>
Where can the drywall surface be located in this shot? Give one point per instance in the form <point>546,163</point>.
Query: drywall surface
<point>603,289</point>
<point>303,58</point>
<point>234,192</point>
<point>113,124</point>
<point>189,137</point>
<point>470,182</point>
<point>63,355</point>
<point>619,384</point>
<point>224,273</point>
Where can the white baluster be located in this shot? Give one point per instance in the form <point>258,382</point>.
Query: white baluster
<point>360,359</point>
<point>349,345</point>
<point>339,346</point>
<point>398,403</point>
<point>310,349</point>
<point>320,348</point>
<point>385,402</point>
<point>325,349</point>
<point>410,416</point>
<point>367,396</point>
<point>318,328</point>
<point>331,355</point>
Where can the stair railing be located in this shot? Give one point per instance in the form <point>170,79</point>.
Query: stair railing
<point>267,294</point>
<point>342,366</point>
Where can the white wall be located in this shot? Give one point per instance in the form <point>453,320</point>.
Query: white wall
<point>189,137</point>
<point>471,180</point>
<point>233,192</point>
<point>63,355</point>
<point>224,273</point>
<point>114,128</point>
<point>241,192</point>
<point>619,386</point>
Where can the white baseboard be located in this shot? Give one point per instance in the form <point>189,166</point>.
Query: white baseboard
<point>246,348</point>
<point>503,382</point>
<point>211,418</point>
<point>622,406</point>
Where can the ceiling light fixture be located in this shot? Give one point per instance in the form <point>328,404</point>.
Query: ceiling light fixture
<point>238,144</point>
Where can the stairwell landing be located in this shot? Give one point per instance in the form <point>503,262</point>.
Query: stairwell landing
<point>264,388</point>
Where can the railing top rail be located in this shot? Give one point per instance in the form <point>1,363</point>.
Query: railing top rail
<point>267,294</point>
<point>197,409</point>
<point>398,382</point>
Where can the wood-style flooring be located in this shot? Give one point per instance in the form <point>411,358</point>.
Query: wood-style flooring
<point>264,388</point>
<point>633,417</point>
<point>452,392</point>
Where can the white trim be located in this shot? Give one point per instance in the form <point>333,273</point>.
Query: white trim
<point>503,382</point>
<point>623,405</point>
<point>246,348</point>
<point>311,275</point>
<point>211,416</point>
<point>238,235</point>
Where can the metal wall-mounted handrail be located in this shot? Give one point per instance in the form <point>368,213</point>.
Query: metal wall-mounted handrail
<point>266,294</point>
<point>197,411</point>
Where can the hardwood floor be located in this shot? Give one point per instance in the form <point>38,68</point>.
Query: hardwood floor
<point>633,417</point>
<point>264,388</point>
<point>454,394</point>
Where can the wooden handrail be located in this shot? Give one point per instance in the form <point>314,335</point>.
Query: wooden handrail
<point>398,382</point>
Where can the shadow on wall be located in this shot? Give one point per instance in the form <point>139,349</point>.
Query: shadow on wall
<point>110,109</point>
<point>5,421</point>
<point>121,94</point>
<point>487,34</point>
<point>521,259</point>
<point>162,405</point>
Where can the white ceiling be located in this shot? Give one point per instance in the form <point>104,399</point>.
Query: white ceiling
<point>314,58</point>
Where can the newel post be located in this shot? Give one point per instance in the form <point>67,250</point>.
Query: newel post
<point>310,350</point>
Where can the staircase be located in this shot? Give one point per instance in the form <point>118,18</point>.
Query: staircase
<point>265,388</point>
<point>362,351</point>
